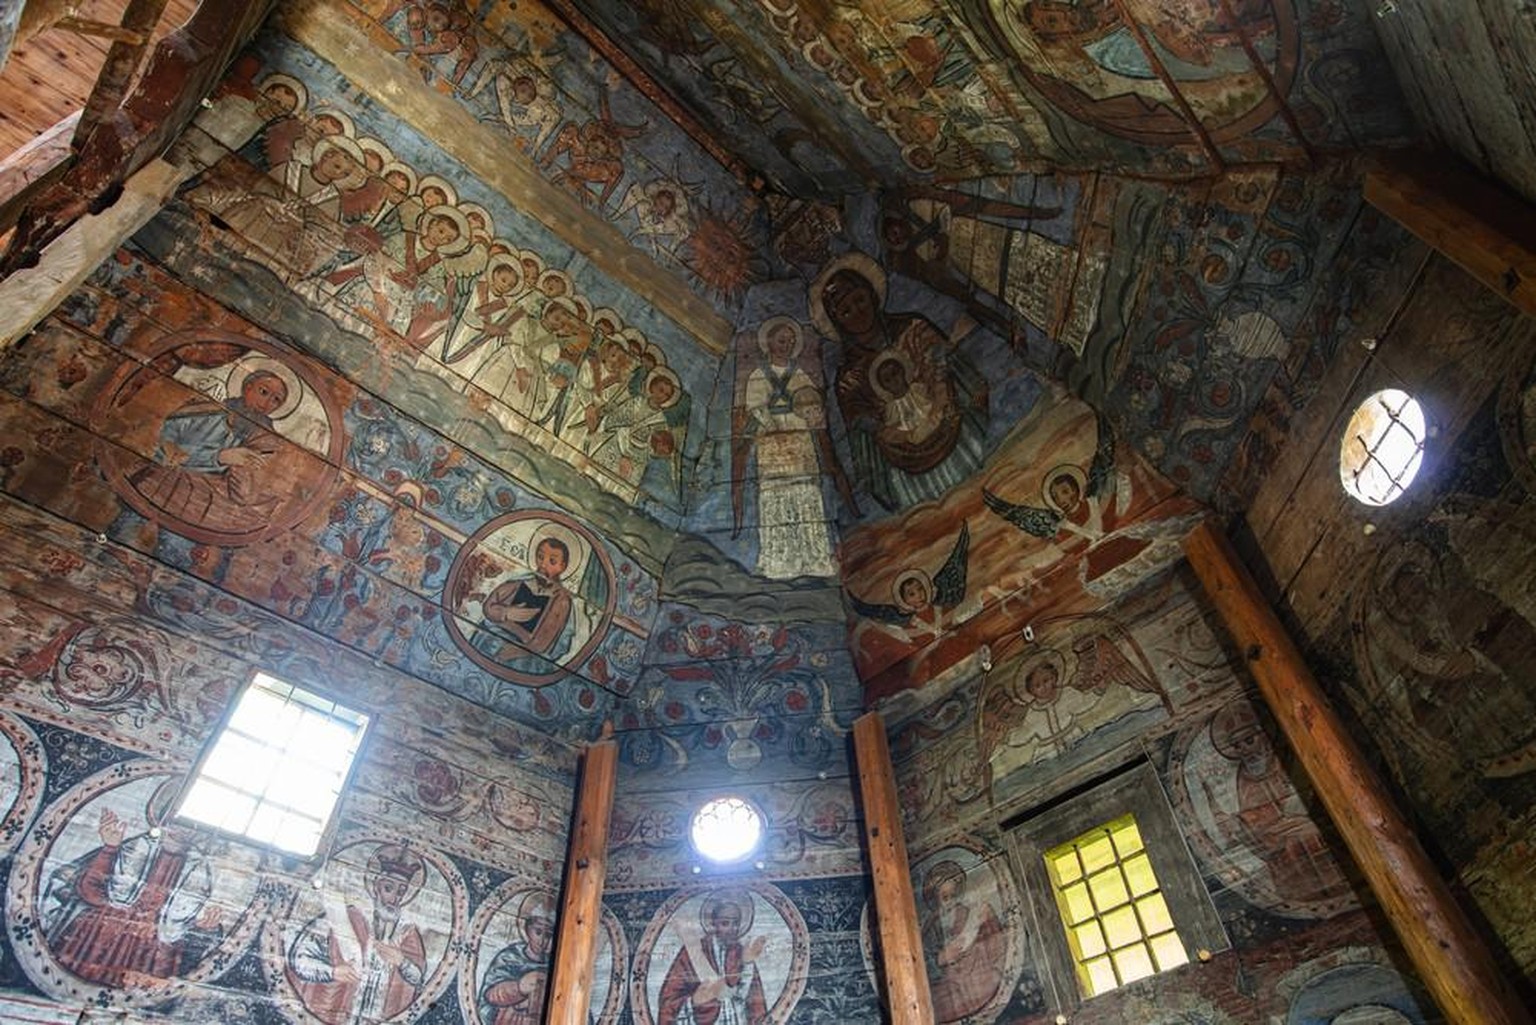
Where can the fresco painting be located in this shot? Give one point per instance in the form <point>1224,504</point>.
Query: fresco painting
<point>21,779</point>
<point>128,904</point>
<point>973,943</point>
<point>1061,515</point>
<point>1085,679</point>
<point>381,943</point>
<point>1255,831</point>
<point>539,589</point>
<point>734,953</point>
<point>398,256</point>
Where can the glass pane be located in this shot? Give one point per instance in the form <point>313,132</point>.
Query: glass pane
<point>1169,950</point>
<point>238,762</point>
<point>1075,901</point>
<point>1063,866</point>
<point>1108,890</point>
<point>1138,872</point>
<point>205,802</point>
<point>235,813</point>
<point>1100,977</point>
<point>265,824</point>
<point>264,714</point>
<point>1154,914</point>
<point>1122,928</point>
<point>1133,963</point>
<point>325,741</point>
<point>1127,838</point>
<point>1096,853</point>
<point>1090,940</point>
<point>298,836</point>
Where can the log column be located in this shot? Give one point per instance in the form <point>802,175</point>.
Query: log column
<point>581,905</point>
<point>901,942</point>
<point>1449,954</point>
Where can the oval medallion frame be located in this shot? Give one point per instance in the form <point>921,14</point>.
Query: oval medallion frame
<point>31,771</point>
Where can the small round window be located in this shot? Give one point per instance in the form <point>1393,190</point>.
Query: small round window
<point>1383,447</point>
<point>726,829</point>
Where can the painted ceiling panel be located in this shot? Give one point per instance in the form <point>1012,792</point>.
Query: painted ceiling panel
<point>958,89</point>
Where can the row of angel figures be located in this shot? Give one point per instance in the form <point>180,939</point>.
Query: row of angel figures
<point>396,254</point>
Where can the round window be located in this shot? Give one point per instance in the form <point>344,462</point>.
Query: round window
<point>1382,447</point>
<point>726,829</point>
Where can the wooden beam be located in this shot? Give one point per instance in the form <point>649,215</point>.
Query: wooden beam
<point>901,941</point>
<point>102,30</point>
<point>345,38</point>
<point>33,168</point>
<point>581,905</point>
<point>1450,956</point>
<point>1488,232</point>
<point>30,294</point>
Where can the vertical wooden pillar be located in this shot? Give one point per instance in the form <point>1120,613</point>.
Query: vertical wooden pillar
<point>581,906</point>
<point>901,942</point>
<point>1449,954</point>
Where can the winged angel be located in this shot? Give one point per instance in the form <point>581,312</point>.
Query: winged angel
<point>924,605</point>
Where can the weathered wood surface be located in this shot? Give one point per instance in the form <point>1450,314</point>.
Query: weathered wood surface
<point>33,167</point>
<point>29,295</point>
<point>1450,955</point>
<point>1467,69</point>
<point>1489,233</point>
<point>901,943</point>
<point>581,905</point>
<point>344,40</point>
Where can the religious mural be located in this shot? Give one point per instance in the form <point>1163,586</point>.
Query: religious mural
<point>971,924</point>
<point>257,415</point>
<point>380,942</point>
<point>21,779</point>
<point>539,591</point>
<point>721,954</point>
<point>1246,821</point>
<point>1084,679</point>
<point>113,898</point>
<point>396,254</point>
<point>504,980</point>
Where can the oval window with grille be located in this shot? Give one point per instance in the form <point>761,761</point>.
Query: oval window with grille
<point>726,829</point>
<point>1382,447</point>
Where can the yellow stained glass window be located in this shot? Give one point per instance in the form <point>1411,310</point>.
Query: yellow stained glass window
<point>1116,917</point>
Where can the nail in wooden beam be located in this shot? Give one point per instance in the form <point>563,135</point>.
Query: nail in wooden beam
<point>1450,956</point>
<point>1488,232</point>
<point>581,905</point>
<point>901,942</point>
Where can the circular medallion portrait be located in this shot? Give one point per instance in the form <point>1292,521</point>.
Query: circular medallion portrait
<point>530,594</point>
<point>1246,821</point>
<point>506,979</point>
<point>375,943</point>
<point>727,953</point>
<point>969,913</point>
<point>223,439</point>
<point>113,900</point>
<point>1091,61</point>
<point>22,769</point>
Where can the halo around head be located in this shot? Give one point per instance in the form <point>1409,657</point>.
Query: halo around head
<point>299,90</point>
<point>234,385</point>
<point>357,169</point>
<point>511,263</point>
<point>453,213</point>
<point>889,356</point>
<point>773,323</point>
<point>576,546</point>
<point>859,264</point>
<point>1064,470</point>
<point>741,900</point>
<point>339,116</point>
<point>901,579</point>
<point>665,374</point>
<point>434,181</point>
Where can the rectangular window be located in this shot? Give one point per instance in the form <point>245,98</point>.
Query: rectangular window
<point>276,770</point>
<point>1116,918</point>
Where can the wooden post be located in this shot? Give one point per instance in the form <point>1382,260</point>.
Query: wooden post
<point>901,942</point>
<point>1489,233</point>
<point>581,905</point>
<point>1449,954</point>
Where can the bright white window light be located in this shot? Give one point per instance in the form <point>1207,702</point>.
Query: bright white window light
<point>1383,447</point>
<point>726,829</point>
<point>276,769</point>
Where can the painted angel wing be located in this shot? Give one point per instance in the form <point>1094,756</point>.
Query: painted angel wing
<point>1028,518</point>
<point>880,613</point>
<point>1100,664</point>
<point>949,581</point>
<point>1101,472</point>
